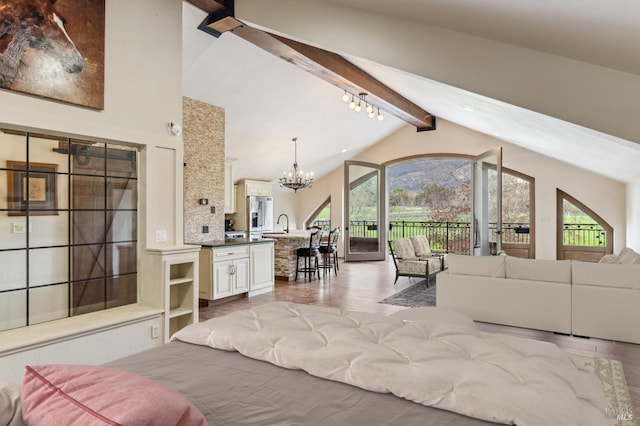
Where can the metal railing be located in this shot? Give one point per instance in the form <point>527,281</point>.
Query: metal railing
<point>583,234</point>
<point>454,237</point>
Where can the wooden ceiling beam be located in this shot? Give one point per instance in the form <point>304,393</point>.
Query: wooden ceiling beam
<point>321,63</point>
<point>338,71</point>
<point>209,6</point>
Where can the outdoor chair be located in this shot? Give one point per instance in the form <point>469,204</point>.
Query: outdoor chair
<point>412,257</point>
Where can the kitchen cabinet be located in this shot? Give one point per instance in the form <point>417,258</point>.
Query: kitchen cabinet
<point>248,188</point>
<point>259,188</point>
<point>227,270</point>
<point>230,277</point>
<point>262,268</point>
<point>224,271</point>
<point>229,188</point>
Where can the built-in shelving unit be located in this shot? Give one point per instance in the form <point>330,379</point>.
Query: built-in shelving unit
<point>180,296</point>
<point>177,269</point>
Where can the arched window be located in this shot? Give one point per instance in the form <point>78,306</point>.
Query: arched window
<point>321,217</point>
<point>581,233</point>
<point>430,195</point>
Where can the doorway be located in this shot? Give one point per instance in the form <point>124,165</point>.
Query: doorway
<point>365,233</point>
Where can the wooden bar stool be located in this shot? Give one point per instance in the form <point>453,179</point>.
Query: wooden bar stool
<point>329,252</point>
<point>310,255</point>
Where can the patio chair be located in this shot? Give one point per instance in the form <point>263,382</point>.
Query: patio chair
<point>412,257</point>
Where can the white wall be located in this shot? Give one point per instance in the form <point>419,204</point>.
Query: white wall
<point>605,196</point>
<point>633,215</point>
<point>142,94</point>
<point>552,85</point>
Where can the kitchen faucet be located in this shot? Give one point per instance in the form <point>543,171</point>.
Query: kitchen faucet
<point>286,229</point>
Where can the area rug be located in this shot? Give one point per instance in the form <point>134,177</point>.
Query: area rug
<point>416,295</point>
<point>614,385</point>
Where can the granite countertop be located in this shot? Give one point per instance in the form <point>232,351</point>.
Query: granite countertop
<point>292,234</point>
<point>234,242</point>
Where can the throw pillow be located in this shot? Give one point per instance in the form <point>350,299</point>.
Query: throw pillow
<point>608,258</point>
<point>628,257</point>
<point>10,413</point>
<point>82,394</point>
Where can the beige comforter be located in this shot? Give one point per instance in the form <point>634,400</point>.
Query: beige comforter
<point>425,355</point>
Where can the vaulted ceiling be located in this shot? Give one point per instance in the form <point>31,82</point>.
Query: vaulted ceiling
<point>559,78</point>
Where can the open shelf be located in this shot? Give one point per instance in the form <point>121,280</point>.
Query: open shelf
<point>181,280</point>
<point>175,270</point>
<point>178,312</point>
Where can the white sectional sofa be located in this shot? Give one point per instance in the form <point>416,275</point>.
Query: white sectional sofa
<point>605,301</point>
<point>508,290</point>
<point>571,297</point>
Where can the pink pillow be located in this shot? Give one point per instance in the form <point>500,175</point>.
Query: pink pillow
<point>89,395</point>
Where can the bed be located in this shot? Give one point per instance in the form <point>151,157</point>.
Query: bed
<point>288,364</point>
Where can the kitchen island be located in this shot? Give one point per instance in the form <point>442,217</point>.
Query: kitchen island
<point>286,245</point>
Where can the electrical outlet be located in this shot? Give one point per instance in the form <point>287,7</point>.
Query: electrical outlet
<point>155,331</point>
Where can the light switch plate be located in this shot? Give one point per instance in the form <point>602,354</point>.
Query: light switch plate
<point>161,236</point>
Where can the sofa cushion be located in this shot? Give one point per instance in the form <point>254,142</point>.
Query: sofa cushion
<point>628,257</point>
<point>484,266</point>
<point>554,271</point>
<point>403,248</point>
<point>605,275</point>
<point>417,267</point>
<point>421,245</point>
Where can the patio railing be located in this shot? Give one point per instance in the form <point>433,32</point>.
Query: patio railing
<point>454,237</point>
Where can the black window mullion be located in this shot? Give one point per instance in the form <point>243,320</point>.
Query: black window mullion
<point>27,222</point>
<point>69,231</point>
<point>105,222</point>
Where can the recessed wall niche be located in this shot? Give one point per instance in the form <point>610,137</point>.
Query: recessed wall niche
<point>68,227</point>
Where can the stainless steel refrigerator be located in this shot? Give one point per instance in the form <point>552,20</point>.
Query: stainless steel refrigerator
<point>260,215</point>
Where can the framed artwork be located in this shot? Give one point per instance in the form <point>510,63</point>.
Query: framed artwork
<point>37,191</point>
<point>54,49</point>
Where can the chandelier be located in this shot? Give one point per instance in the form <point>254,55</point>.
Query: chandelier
<point>356,103</point>
<point>295,179</point>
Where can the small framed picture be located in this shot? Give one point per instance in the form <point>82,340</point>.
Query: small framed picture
<point>34,190</point>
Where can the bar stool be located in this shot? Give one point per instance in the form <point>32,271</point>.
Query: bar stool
<point>310,255</point>
<point>329,252</point>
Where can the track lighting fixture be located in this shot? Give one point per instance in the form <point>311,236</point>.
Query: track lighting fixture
<point>356,104</point>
